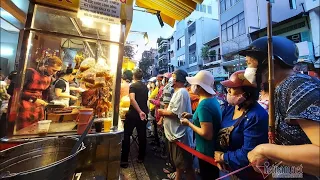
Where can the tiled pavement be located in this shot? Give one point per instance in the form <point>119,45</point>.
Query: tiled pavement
<point>151,169</point>
<point>135,171</point>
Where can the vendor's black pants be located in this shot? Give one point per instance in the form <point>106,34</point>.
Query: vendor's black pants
<point>133,121</point>
<point>208,171</point>
<point>3,125</point>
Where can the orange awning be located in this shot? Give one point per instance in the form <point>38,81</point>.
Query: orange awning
<point>170,10</point>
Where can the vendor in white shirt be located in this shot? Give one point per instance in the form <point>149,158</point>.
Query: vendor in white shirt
<point>62,89</point>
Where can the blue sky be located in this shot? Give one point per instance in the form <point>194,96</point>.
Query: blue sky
<point>149,23</point>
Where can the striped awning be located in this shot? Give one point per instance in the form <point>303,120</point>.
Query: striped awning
<point>170,10</point>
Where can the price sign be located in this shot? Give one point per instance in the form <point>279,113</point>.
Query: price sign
<point>104,11</point>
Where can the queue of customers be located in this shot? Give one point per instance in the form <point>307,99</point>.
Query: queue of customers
<point>238,135</point>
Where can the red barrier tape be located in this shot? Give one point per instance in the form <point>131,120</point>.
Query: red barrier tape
<point>208,159</point>
<point>197,153</point>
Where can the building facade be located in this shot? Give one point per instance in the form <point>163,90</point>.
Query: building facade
<point>163,56</point>
<point>212,63</point>
<point>313,9</point>
<point>240,18</point>
<point>190,35</point>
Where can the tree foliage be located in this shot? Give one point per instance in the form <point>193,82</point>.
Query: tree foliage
<point>129,51</point>
<point>145,65</point>
<point>212,53</point>
<point>204,52</point>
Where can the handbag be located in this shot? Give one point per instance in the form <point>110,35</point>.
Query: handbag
<point>224,133</point>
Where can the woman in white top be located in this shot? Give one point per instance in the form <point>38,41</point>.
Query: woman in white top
<point>62,89</point>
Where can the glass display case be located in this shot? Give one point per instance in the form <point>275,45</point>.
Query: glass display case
<point>87,56</point>
<point>91,49</point>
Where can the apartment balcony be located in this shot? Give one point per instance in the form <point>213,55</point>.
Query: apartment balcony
<point>164,44</point>
<point>163,69</point>
<point>192,26</point>
<point>234,62</point>
<point>192,60</point>
<point>192,40</point>
<point>210,59</point>
<point>165,56</point>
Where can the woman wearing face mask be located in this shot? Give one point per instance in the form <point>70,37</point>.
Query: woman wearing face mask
<point>244,125</point>
<point>206,120</point>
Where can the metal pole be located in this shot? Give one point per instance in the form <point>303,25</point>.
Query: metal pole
<point>117,89</point>
<point>271,75</point>
<point>23,59</point>
<point>238,59</point>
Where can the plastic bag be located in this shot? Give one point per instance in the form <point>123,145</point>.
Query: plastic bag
<point>100,82</point>
<point>87,64</point>
<point>102,68</point>
<point>89,76</point>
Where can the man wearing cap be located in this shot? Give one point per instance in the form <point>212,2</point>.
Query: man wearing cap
<point>297,107</point>
<point>174,130</point>
<point>206,120</point>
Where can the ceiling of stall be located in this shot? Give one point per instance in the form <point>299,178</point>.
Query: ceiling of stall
<point>10,21</point>
<point>53,20</point>
<point>22,4</point>
<point>170,11</point>
<point>8,27</point>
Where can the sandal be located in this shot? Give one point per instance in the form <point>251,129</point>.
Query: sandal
<point>169,165</point>
<point>172,176</point>
<point>168,170</point>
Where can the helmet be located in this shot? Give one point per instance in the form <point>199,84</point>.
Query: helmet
<point>180,75</point>
<point>284,50</point>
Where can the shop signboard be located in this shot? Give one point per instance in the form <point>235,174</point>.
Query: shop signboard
<point>64,4</point>
<point>102,11</point>
<point>306,53</point>
<point>218,72</point>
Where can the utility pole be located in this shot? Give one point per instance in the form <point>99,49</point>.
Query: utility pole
<point>271,74</point>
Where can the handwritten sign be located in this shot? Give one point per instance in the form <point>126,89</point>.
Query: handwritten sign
<point>104,11</point>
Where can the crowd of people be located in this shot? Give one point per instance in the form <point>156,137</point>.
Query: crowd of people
<point>186,109</point>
